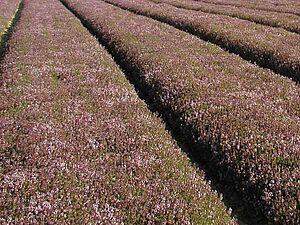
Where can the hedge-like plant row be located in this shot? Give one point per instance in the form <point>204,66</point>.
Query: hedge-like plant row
<point>9,10</point>
<point>244,119</point>
<point>77,145</point>
<point>286,21</point>
<point>285,6</point>
<point>269,47</point>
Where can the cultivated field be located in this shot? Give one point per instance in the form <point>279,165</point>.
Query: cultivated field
<point>149,112</point>
<point>283,20</point>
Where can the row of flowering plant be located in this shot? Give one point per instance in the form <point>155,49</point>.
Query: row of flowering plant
<point>285,6</point>
<point>286,21</point>
<point>245,119</point>
<point>269,47</point>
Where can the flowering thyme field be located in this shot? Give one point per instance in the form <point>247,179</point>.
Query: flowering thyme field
<point>78,145</point>
<point>286,21</point>
<point>288,6</point>
<point>270,47</point>
<point>247,117</point>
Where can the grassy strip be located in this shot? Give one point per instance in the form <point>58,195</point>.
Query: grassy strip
<point>282,6</point>
<point>10,12</point>
<point>286,21</point>
<point>271,48</point>
<point>244,120</point>
<point>77,145</point>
